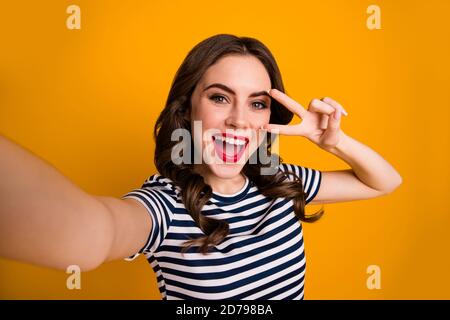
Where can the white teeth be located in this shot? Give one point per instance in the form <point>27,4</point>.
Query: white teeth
<point>237,142</point>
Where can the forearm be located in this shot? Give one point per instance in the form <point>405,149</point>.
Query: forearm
<point>44,218</point>
<point>370,167</point>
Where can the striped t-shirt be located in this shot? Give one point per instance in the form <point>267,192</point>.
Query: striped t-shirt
<point>262,257</point>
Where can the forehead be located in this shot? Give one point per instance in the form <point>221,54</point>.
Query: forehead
<point>239,72</point>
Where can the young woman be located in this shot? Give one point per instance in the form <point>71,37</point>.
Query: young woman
<point>226,228</point>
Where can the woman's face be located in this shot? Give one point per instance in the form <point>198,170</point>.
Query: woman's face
<point>231,103</point>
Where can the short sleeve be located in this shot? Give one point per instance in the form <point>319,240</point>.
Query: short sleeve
<point>156,204</point>
<point>311,179</point>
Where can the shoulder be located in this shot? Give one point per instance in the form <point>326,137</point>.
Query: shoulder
<point>160,183</point>
<point>300,171</point>
<point>311,178</point>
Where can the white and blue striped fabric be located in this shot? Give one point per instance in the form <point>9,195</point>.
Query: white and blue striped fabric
<point>262,257</point>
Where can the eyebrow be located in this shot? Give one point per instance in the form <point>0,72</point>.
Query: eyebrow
<point>229,90</point>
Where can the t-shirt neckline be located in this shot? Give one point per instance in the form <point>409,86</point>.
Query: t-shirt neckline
<point>231,198</point>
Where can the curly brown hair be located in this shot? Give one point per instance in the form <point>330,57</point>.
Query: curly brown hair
<point>175,115</point>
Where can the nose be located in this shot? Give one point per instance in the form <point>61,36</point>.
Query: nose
<point>238,118</point>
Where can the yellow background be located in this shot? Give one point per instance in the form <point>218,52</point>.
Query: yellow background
<point>86,100</point>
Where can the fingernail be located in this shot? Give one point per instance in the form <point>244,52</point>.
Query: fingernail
<point>268,92</point>
<point>344,112</point>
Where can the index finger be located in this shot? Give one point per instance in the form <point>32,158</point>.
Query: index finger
<point>288,102</point>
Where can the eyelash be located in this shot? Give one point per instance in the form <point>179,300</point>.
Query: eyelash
<point>264,106</point>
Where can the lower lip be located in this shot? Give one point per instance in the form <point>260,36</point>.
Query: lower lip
<point>228,158</point>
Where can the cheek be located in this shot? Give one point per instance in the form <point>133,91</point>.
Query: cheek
<point>209,121</point>
<point>206,123</point>
<point>201,111</point>
<point>261,120</point>
<point>208,116</point>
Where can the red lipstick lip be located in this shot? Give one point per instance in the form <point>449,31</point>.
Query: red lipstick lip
<point>237,156</point>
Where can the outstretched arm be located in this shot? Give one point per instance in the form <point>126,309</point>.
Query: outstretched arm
<point>47,220</point>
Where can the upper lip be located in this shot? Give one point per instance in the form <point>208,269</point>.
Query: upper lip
<point>229,135</point>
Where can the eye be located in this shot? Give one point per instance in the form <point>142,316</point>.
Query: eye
<point>260,105</point>
<point>216,98</point>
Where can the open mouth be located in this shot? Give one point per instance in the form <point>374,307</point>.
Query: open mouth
<point>230,148</point>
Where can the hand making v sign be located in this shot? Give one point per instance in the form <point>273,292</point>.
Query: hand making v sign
<point>320,123</point>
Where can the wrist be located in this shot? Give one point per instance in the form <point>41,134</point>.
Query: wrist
<point>339,148</point>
